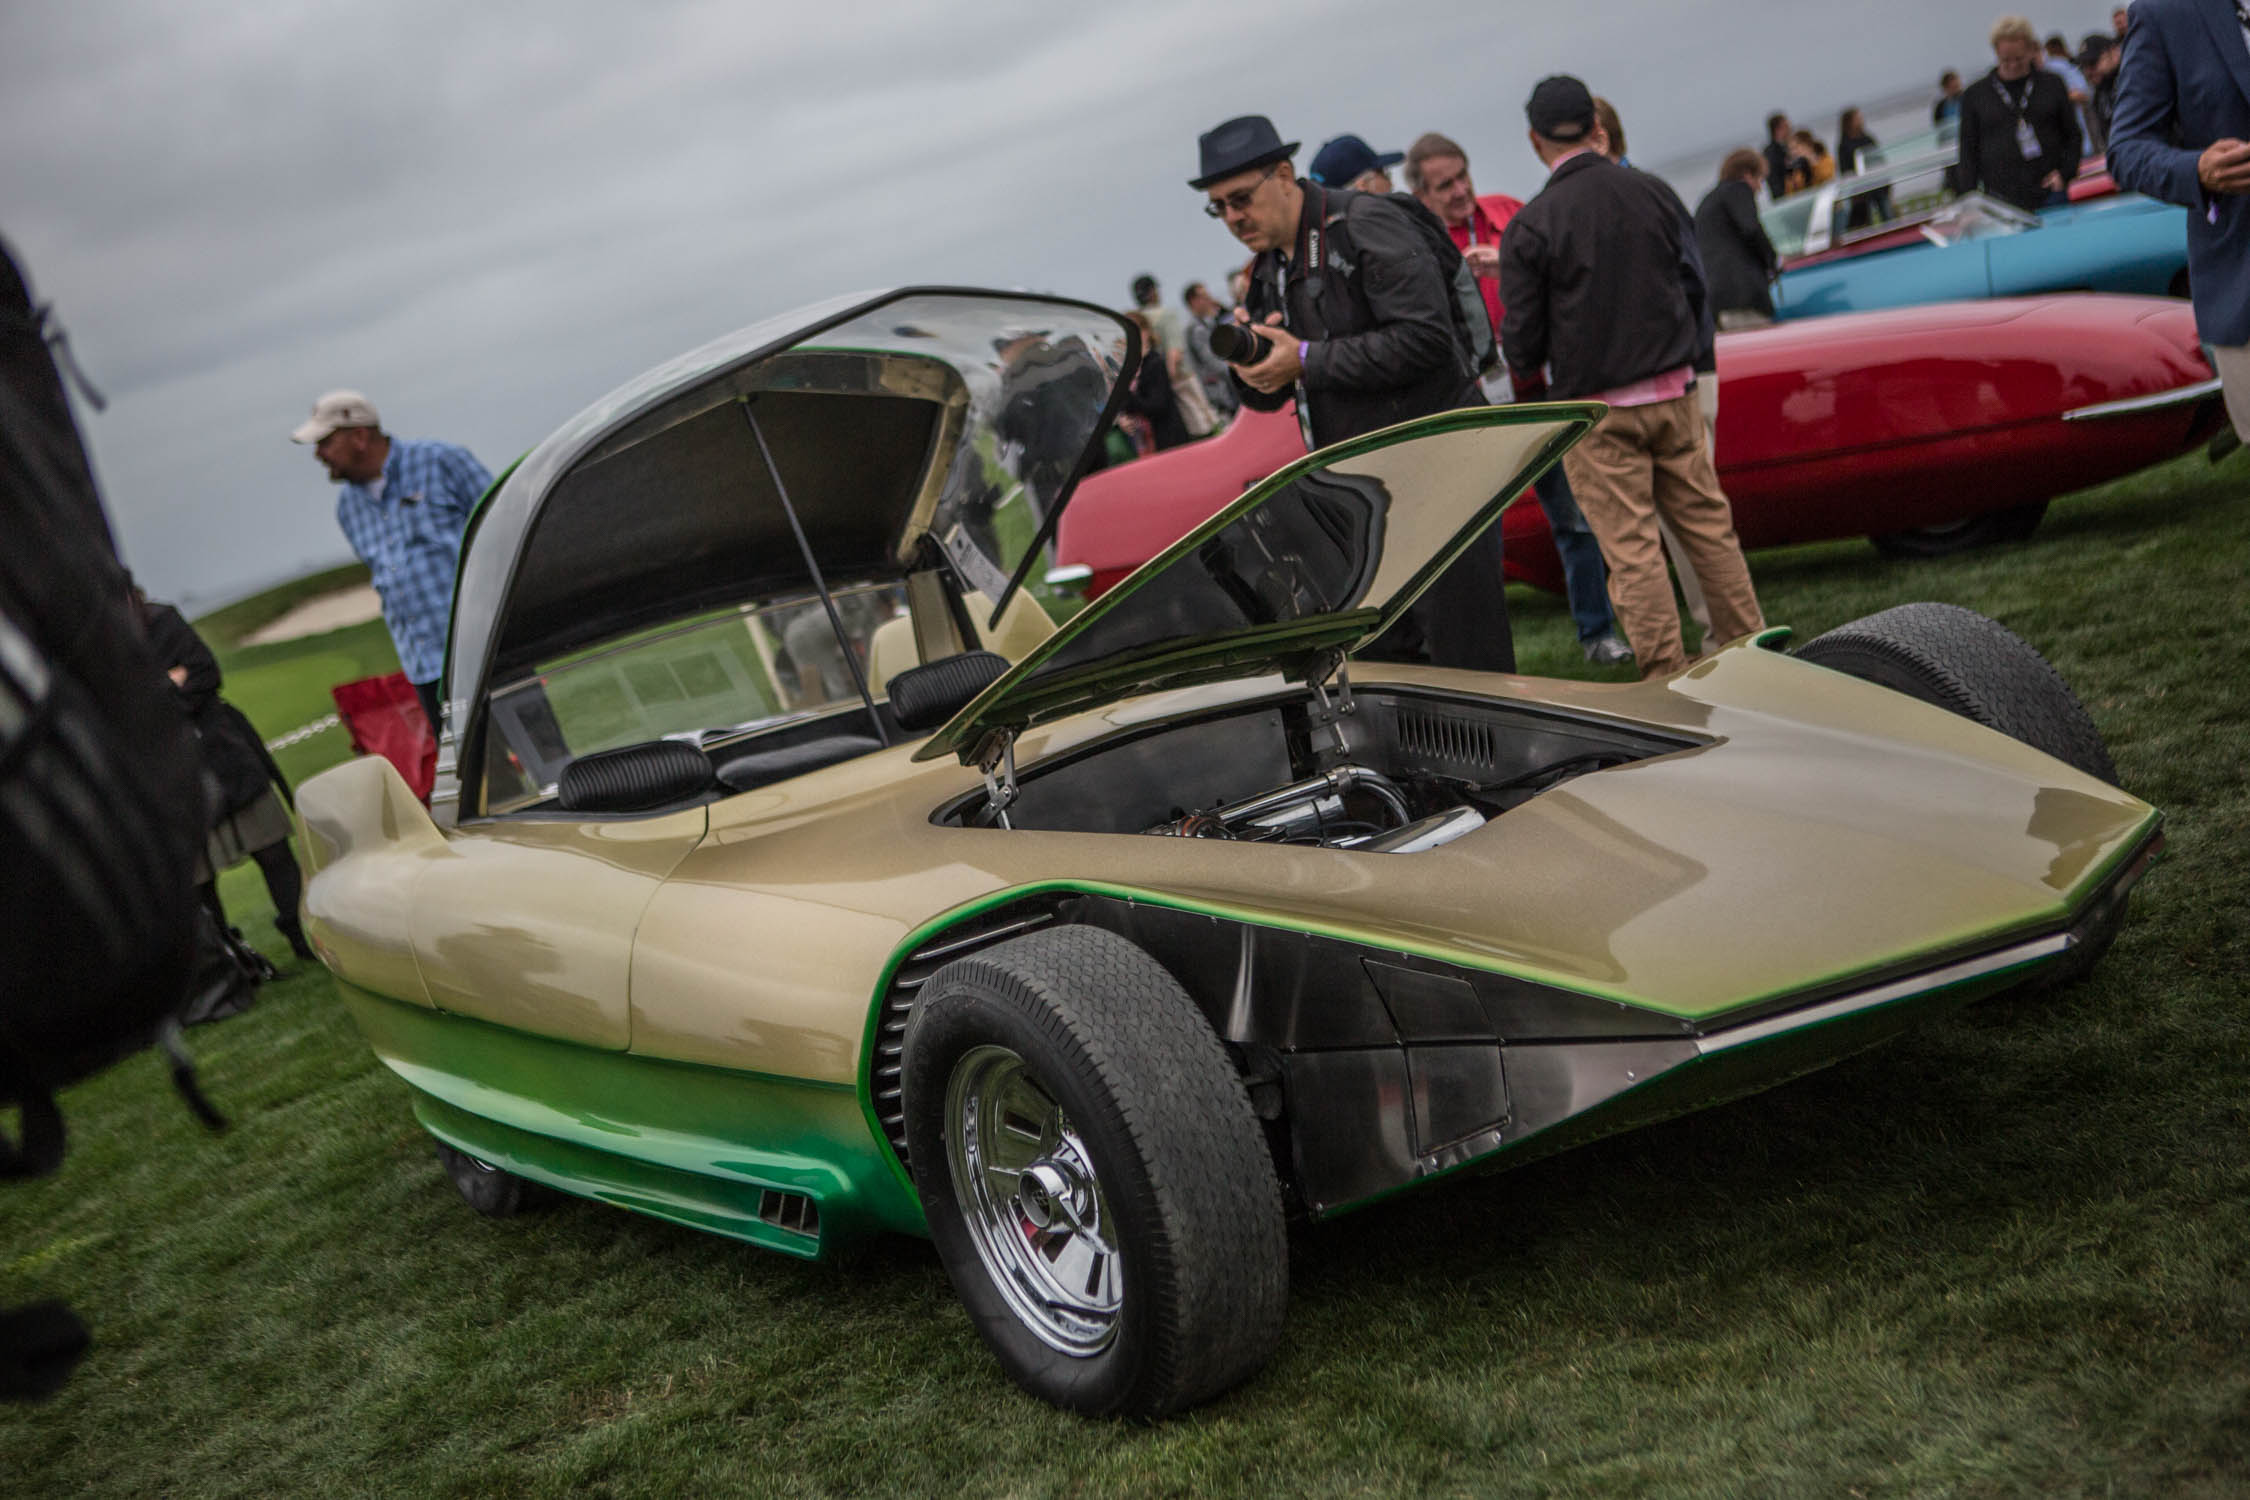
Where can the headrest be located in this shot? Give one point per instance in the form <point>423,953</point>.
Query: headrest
<point>637,777</point>
<point>926,696</point>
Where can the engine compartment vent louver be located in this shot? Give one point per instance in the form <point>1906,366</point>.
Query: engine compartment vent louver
<point>1446,738</point>
<point>791,1211</point>
<point>886,1072</point>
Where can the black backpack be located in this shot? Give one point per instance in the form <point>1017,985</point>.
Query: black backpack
<point>104,811</point>
<point>1472,325</point>
<point>101,808</point>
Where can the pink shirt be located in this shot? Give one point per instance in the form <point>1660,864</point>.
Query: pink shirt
<point>1669,386</point>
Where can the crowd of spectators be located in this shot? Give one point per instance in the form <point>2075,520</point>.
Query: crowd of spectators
<point>1353,312</point>
<point>2065,95</point>
<point>2021,130</point>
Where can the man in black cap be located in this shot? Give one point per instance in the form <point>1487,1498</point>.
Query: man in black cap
<point>1605,297</point>
<point>1349,162</point>
<point>1362,331</point>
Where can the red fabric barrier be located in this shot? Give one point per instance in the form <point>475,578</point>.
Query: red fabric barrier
<point>385,718</point>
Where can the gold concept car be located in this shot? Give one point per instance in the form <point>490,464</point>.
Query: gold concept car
<point>791,875</point>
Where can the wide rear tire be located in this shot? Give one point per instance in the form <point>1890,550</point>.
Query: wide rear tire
<point>1097,1185</point>
<point>1976,667</point>
<point>1972,666</point>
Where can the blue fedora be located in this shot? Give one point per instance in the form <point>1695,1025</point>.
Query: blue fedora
<point>1237,146</point>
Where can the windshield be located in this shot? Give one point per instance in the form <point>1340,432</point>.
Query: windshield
<point>707,679</point>
<point>1976,217</point>
<point>958,415</point>
<point>1899,180</point>
<point>1032,380</point>
<point>1315,558</point>
<point>1787,223</point>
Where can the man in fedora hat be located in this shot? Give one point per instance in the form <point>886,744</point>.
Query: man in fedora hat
<point>402,505</point>
<point>1362,331</point>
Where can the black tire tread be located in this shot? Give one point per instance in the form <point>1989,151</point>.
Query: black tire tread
<point>1220,1280</point>
<point>1973,666</point>
<point>1976,667</point>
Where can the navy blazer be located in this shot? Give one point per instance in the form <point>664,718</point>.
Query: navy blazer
<point>2186,68</point>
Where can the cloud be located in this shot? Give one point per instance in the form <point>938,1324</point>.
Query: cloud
<point>485,216</point>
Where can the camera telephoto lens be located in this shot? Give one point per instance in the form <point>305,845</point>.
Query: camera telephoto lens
<point>1236,344</point>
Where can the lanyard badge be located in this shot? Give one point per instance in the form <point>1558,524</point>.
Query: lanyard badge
<point>2027,139</point>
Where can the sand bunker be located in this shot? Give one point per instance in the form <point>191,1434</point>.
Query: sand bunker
<point>352,606</point>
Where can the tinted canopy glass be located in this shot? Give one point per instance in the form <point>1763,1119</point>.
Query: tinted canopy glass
<point>959,415</point>
<point>1320,557</point>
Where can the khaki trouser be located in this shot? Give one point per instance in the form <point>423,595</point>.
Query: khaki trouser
<point>1646,462</point>
<point>1691,592</point>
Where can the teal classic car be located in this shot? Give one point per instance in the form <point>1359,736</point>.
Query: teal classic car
<point>1977,247</point>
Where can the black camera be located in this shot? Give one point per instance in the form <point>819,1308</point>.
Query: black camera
<point>1236,344</point>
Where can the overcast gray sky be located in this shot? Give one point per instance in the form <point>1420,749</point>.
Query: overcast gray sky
<point>486,215</point>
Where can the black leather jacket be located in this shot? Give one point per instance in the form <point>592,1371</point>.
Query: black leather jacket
<point>1378,317</point>
<point>1602,281</point>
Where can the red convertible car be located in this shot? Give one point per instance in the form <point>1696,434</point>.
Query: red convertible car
<point>1929,429</point>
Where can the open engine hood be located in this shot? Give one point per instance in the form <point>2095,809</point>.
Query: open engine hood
<point>1313,562</point>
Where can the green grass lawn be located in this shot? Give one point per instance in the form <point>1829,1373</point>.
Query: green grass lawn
<point>2006,1255</point>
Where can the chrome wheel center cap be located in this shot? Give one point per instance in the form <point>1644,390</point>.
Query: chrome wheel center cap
<point>1049,1196</point>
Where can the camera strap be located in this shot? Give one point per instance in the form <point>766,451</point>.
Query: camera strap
<point>1308,267</point>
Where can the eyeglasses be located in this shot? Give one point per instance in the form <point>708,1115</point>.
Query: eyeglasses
<point>1239,199</point>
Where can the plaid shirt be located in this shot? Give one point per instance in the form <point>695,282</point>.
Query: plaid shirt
<point>410,540</point>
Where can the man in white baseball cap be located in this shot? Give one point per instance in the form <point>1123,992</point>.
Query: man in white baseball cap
<point>335,410</point>
<point>402,505</point>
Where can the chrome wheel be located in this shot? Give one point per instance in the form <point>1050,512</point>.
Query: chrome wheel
<point>1032,1203</point>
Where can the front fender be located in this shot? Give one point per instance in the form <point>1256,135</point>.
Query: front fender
<point>366,841</point>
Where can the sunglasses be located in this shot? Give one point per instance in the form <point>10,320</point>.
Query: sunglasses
<point>1239,199</point>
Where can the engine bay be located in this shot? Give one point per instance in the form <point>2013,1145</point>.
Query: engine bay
<point>1389,770</point>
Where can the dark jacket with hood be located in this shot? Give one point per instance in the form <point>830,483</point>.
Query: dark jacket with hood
<point>1377,311</point>
<point>1602,281</point>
